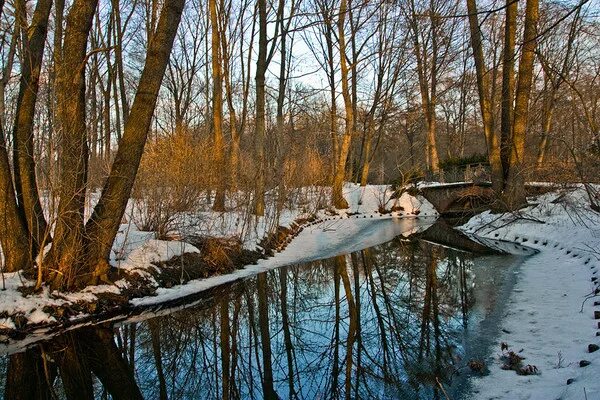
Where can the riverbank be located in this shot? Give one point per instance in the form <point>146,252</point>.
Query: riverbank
<point>553,317</point>
<point>148,271</point>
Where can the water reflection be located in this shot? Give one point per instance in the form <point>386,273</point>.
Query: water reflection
<point>392,321</point>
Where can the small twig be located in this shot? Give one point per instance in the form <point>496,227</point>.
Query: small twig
<point>489,223</point>
<point>442,388</point>
<point>589,296</point>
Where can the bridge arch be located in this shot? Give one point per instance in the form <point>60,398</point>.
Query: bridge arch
<point>458,197</point>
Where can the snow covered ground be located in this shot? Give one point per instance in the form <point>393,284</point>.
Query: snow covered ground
<point>340,231</point>
<point>550,315</point>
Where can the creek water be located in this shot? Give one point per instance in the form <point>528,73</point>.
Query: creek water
<point>400,320</point>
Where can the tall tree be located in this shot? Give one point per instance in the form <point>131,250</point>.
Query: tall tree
<point>389,62</point>
<point>265,55</point>
<point>485,102</point>
<point>556,66</point>
<point>23,137</point>
<point>217,108</point>
<point>514,195</point>
<point>508,82</point>
<point>103,225</point>
<point>431,47</point>
<point>260,121</point>
<point>338,199</point>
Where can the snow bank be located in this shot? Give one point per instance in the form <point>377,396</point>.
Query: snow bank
<point>551,311</point>
<point>327,239</point>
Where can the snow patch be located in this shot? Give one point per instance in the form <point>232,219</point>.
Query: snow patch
<point>551,310</point>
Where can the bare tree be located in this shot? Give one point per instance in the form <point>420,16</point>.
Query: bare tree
<point>431,35</point>
<point>556,69</point>
<point>79,253</point>
<point>338,199</point>
<point>514,194</point>
<point>217,108</point>
<point>485,99</point>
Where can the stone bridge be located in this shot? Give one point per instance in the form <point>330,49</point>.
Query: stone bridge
<point>463,198</point>
<point>459,198</point>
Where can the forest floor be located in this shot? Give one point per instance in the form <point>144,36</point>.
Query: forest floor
<point>208,249</point>
<point>552,321</point>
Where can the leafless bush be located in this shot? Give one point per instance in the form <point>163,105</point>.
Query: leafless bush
<point>173,176</point>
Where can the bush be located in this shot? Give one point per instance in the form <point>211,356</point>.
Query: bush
<point>173,174</point>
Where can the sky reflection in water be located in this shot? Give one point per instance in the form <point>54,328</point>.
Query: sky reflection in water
<point>398,320</point>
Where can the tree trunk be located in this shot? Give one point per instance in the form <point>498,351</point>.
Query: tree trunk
<point>515,184</point>
<point>508,83</point>
<point>224,334</point>
<point>14,234</point>
<point>217,109</point>
<point>154,327</point>
<point>265,337</point>
<point>338,199</point>
<point>341,267</point>
<point>331,79</point>
<point>67,254</point>
<point>234,150</point>
<point>483,89</point>
<point>119,59</point>
<point>7,67</point>
<point>24,158</point>
<point>260,129</point>
<point>427,89</point>
<point>554,84</point>
<point>104,359</point>
<point>26,378</point>
<point>104,222</point>
<point>547,114</point>
<point>367,152</point>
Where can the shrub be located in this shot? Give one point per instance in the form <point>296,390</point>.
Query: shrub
<point>173,174</point>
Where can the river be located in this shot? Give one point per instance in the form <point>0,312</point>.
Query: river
<point>406,319</point>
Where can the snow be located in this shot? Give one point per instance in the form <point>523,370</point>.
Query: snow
<point>359,226</point>
<point>38,316</point>
<point>153,251</point>
<point>13,301</point>
<point>6,323</point>
<point>368,199</point>
<point>327,239</point>
<point>548,316</point>
<point>426,184</point>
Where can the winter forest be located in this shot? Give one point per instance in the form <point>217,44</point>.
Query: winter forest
<point>167,159</point>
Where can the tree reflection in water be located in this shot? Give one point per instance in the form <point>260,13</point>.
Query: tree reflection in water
<point>386,322</point>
